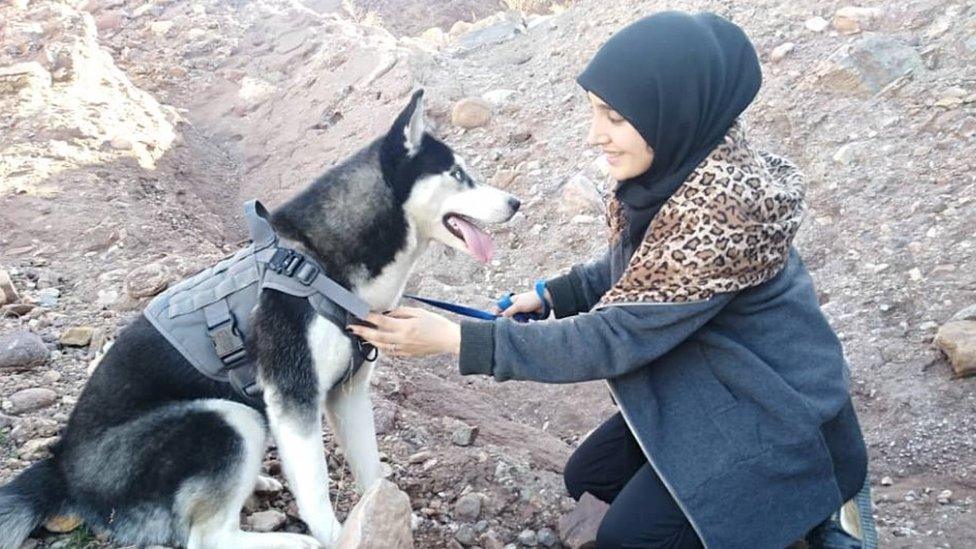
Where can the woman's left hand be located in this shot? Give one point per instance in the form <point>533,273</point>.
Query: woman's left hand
<point>409,331</point>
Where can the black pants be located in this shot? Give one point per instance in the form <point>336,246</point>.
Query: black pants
<point>611,466</point>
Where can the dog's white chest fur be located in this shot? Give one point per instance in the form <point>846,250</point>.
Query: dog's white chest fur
<point>331,352</point>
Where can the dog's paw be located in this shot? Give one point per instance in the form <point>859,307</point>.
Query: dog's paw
<point>267,485</point>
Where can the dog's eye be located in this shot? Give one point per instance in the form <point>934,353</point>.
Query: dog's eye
<point>456,173</point>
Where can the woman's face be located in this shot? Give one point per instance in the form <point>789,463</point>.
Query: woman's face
<point>626,152</point>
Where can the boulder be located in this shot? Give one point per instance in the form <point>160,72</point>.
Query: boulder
<point>868,65</point>
<point>471,113</point>
<point>381,520</point>
<point>28,400</point>
<point>578,528</point>
<point>957,339</point>
<point>21,350</point>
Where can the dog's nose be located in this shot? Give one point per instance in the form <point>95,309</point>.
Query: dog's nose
<point>514,204</point>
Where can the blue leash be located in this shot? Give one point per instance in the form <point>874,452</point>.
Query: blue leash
<point>503,303</point>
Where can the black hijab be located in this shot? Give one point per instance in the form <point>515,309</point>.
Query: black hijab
<point>681,80</point>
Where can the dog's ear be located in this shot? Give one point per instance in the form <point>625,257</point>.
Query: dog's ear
<point>409,127</point>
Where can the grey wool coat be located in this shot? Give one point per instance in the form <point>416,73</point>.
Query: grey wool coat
<point>740,402</point>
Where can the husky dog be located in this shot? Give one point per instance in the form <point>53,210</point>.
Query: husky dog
<point>157,453</point>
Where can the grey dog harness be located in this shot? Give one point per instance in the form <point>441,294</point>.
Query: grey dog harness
<point>206,316</point>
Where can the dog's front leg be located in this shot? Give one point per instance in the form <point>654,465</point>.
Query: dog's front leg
<point>297,428</point>
<point>350,414</point>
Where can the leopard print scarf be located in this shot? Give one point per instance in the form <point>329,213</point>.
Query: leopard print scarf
<point>728,227</point>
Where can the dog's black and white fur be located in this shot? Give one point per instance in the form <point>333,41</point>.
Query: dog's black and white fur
<point>156,453</point>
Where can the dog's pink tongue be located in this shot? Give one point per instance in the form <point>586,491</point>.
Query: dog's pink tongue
<point>479,243</point>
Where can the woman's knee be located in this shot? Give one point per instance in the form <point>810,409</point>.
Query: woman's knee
<point>574,476</point>
<point>626,527</point>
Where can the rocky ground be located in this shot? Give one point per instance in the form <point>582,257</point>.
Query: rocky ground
<point>132,131</point>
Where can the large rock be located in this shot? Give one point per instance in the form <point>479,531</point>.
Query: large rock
<point>578,195</point>
<point>381,520</point>
<point>471,113</point>
<point>8,293</point>
<point>21,350</point>
<point>868,65</point>
<point>27,400</point>
<point>854,19</point>
<point>578,528</point>
<point>957,339</point>
<point>148,280</point>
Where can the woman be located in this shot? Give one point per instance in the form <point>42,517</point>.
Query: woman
<point>735,426</point>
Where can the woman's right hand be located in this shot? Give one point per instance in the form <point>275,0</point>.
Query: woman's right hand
<point>525,302</point>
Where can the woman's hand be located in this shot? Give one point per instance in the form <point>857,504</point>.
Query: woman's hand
<point>525,302</point>
<point>409,332</point>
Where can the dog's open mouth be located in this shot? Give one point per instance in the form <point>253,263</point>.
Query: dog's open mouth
<point>478,242</point>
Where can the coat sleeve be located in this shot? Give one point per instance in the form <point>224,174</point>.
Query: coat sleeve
<point>602,344</point>
<point>581,288</point>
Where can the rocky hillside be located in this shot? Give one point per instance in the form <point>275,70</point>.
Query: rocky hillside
<point>132,131</point>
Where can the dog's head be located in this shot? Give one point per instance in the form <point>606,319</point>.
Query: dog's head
<point>439,195</point>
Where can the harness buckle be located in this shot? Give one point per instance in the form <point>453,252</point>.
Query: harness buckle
<point>285,261</point>
<point>306,273</point>
<point>227,341</point>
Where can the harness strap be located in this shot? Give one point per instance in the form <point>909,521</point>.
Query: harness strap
<point>295,265</point>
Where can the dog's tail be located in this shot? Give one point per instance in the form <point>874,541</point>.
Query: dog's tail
<point>34,496</point>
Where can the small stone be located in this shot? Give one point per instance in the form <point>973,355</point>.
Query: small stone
<point>853,19</point>
<point>419,457</point>
<point>384,416</point>
<point>8,293</point>
<point>816,24</point>
<point>466,535</point>
<point>37,448</point>
<point>62,524</point>
<point>498,97</point>
<point>468,507</point>
<point>21,350</point>
<point>464,435</point>
<point>76,336</point>
<point>148,280</point>
<point>160,28</point>
<point>957,339</point>
<point>490,540</point>
<point>267,521</point>
<point>547,537</point>
<point>106,298</point>
<point>471,113</point>
<point>886,481</point>
<point>17,309</point>
<point>845,154</point>
<point>945,497</point>
<point>520,136</point>
<point>781,51</point>
<point>120,144</point>
<point>48,297</point>
<point>528,538</point>
<point>28,400</point>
